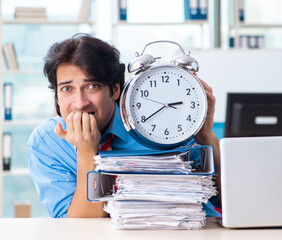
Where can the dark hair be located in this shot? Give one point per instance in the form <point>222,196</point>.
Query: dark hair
<point>96,58</point>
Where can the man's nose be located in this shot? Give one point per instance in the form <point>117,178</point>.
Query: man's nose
<point>81,101</point>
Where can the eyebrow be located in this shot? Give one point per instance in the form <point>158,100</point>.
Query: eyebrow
<point>65,82</point>
<point>70,81</point>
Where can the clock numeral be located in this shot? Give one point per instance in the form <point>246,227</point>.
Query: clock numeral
<point>179,128</point>
<point>144,93</point>
<point>189,118</point>
<point>165,79</point>
<point>166,132</point>
<point>138,105</point>
<point>193,104</point>
<point>188,90</point>
<point>153,127</point>
<point>153,83</point>
<point>143,119</point>
<point>178,82</point>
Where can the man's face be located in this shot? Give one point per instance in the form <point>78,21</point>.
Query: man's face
<point>77,93</point>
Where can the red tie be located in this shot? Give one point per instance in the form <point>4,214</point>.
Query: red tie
<point>106,146</point>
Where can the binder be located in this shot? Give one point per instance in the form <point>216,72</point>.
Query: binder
<point>101,184</point>
<point>10,56</point>
<point>251,41</point>
<point>123,10</point>
<point>195,9</point>
<point>7,151</point>
<point>241,11</point>
<point>8,89</point>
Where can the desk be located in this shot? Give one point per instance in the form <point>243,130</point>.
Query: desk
<point>102,228</point>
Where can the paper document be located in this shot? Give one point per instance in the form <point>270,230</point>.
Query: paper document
<point>171,188</point>
<point>154,190</point>
<point>155,215</point>
<point>165,163</point>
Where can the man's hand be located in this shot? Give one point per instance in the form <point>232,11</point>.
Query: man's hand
<point>81,131</point>
<point>206,135</point>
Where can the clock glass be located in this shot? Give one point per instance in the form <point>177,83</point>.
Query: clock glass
<point>166,105</point>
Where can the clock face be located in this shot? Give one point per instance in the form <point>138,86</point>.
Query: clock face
<point>165,105</point>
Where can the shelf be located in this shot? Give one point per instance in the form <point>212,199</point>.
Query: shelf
<point>246,25</point>
<point>45,21</point>
<point>17,172</point>
<point>198,22</point>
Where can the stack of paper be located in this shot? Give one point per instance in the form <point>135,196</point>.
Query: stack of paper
<point>166,163</point>
<point>171,188</point>
<point>155,215</point>
<point>169,201</point>
<point>154,190</point>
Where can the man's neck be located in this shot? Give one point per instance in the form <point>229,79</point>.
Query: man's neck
<point>109,123</point>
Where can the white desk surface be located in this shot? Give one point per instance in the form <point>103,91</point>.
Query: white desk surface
<point>102,228</point>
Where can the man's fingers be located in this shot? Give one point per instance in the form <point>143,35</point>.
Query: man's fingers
<point>77,122</point>
<point>93,124</point>
<point>85,123</point>
<point>69,122</point>
<point>59,131</point>
<point>206,86</point>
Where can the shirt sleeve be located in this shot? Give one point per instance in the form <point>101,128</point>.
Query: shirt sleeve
<point>52,164</point>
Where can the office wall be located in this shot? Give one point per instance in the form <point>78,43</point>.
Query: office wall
<point>239,71</point>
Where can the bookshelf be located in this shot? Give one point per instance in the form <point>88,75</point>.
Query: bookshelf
<point>137,18</point>
<point>136,23</point>
<point>246,29</point>
<point>31,38</point>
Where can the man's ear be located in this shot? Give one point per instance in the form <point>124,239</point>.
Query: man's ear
<point>116,91</point>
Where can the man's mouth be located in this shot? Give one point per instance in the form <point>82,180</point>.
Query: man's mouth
<point>92,113</point>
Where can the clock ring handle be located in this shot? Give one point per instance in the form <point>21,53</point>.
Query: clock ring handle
<point>183,59</point>
<point>163,41</point>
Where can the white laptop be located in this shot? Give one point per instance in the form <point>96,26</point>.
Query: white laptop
<point>251,181</point>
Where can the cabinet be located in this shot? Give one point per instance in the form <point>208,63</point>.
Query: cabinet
<point>31,99</point>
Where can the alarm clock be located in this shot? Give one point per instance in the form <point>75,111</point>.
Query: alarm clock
<point>163,106</point>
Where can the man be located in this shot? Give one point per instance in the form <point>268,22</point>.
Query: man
<point>87,78</point>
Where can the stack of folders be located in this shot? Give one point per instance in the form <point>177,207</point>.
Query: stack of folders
<point>30,12</point>
<point>154,191</point>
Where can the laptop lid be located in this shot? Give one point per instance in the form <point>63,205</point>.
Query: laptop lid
<point>251,181</point>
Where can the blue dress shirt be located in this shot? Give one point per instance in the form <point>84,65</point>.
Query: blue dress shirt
<point>53,166</point>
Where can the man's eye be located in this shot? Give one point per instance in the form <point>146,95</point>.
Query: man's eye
<point>65,89</point>
<point>93,86</point>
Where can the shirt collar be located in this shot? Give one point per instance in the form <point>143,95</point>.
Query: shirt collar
<point>116,127</point>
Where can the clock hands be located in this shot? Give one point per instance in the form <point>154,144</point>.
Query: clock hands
<point>164,106</point>
<point>154,113</point>
<point>174,103</point>
<point>153,100</point>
